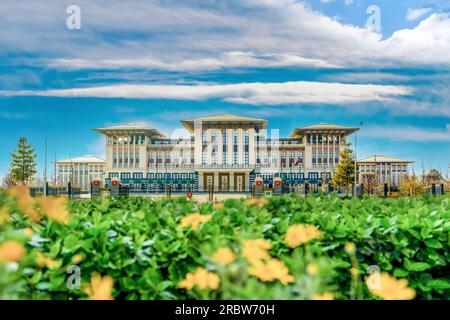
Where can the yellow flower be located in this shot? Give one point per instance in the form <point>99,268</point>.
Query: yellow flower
<point>224,256</point>
<point>218,206</point>
<point>299,234</point>
<point>11,251</point>
<point>100,287</point>
<point>4,215</point>
<point>194,220</point>
<point>77,258</point>
<point>350,248</point>
<point>256,249</point>
<point>44,262</point>
<point>188,283</point>
<point>271,270</point>
<point>28,232</point>
<point>256,202</point>
<point>55,208</point>
<point>323,296</point>
<point>25,201</point>
<point>389,288</point>
<point>312,268</point>
<point>200,278</point>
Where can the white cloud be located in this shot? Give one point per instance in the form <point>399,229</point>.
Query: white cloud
<point>407,133</point>
<point>234,59</point>
<point>428,43</point>
<point>210,35</point>
<point>415,14</point>
<point>249,93</point>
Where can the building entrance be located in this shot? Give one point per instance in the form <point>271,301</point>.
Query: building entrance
<point>239,182</point>
<point>208,179</point>
<point>224,181</point>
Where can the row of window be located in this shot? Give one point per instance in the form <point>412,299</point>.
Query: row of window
<point>321,138</point>
<point>140,175</point>
<point>296,176</point>
<point>125,160</point>
<point>383,167</point>
<point>83,167</point>
<point>126,140</point>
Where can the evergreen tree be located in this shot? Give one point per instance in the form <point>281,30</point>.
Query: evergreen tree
<point>344,174</point>
<point>23,162</point>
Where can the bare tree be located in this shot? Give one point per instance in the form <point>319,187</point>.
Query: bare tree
<point>8,181</point>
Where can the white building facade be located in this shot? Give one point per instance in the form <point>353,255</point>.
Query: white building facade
<point>383,169</point>
<point>225,152</point>
<point>80,171</point>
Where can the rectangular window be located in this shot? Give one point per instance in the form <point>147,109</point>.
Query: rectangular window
<point>235,147</point>
<point>246,148</point>
<point>204,138</point>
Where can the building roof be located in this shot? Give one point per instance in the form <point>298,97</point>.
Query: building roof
<point>130,128</point>
<point>322,126</point>
<point>224,118</point>
<point>379,158</point>
<point>82,159</point>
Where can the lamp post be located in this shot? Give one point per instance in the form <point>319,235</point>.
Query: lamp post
<point>356,159</point>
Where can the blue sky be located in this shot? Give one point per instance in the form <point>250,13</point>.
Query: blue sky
<point>294,63</point>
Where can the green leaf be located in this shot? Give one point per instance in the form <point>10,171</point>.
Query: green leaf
<point>54,249</point>
<point>432,243</point>
<point>439,284</point>
<point>417,266</point>
<point>71,243</point>
<point>400,273</point>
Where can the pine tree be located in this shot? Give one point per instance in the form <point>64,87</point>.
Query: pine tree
<point>345,170</point>
<point>23,162</point>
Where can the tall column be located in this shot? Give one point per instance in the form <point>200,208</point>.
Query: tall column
<point>230,146</point>
<point>216,181</point>
<point>328,149</point>
<point>334,148</point>
<point>232,181</point>
<point>251,147</point>
<point>208,147</point>
<point>322,151</point>
<point>240,146</point>
<point>317,149</point>
<point>219,146</point>
<point>197,143</point>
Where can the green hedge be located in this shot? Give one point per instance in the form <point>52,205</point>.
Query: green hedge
<point>138,242</point>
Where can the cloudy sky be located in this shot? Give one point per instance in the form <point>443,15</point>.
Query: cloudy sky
<point>295,63</point>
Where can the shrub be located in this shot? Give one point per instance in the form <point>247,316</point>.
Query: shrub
<point>411,186</point>
<point>137,247</point>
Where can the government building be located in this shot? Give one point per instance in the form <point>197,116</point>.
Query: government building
<point>223,152</point>
<point>80,171</point>
<point>378,169</point>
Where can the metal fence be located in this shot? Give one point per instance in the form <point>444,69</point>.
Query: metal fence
<point>71,191</point>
